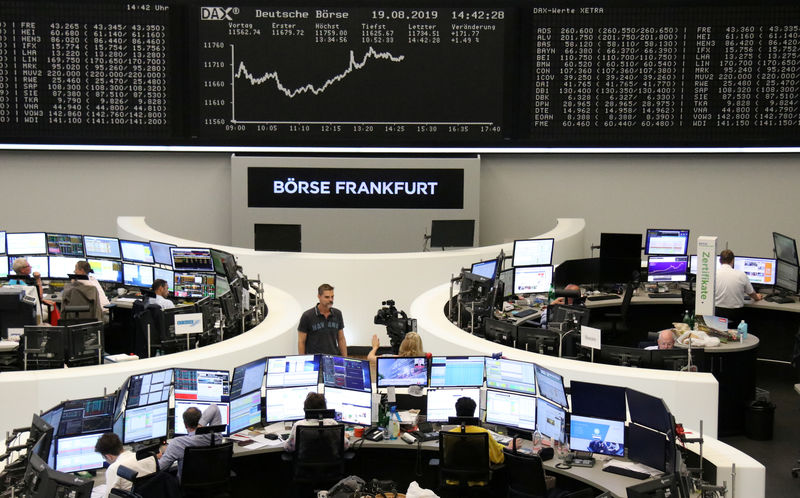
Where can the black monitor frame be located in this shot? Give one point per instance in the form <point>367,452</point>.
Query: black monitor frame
<point>652,232</point>
<point>538,340</point>
<point>452,233</point>
<point>624,356</point>
<point>522,241</point>
<point>47,241</point>
<point>788,240</point>
<point>499,331</point>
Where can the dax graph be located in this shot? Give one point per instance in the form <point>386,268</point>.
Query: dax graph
<point>351,75</point>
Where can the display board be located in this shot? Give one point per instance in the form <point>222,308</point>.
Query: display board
<point>506,74</point>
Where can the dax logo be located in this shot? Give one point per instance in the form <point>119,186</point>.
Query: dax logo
<point>188,323</point>
<point>218,13</point>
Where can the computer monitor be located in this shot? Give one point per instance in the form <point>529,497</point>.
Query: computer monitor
<point>42,433</point>
<point>192,259</point>
<point>538,340</point>
<point>402,372</point>
<point>486,269</point>
<point>506,278</point>
<point>137,275</point>
<point>53,417</point>
<point>693,263</point>
<point>785,248</point>
<point>760,271</point>
<point>623,356</point>
<point>551,386</point>
<point>667,268</point>
<point>221,265</point>
<point>166,275</point>
<point>510,375</point>
<point>441,403</point>
<point>286,403</point>
<point>201,385</point>
<point>146,422</point>
<point>194,285</point>
<point>457,371</point>
<point>65,244</point>
<point>511,409</point>
<point>84,343</point>
<point>223,286</point>
<point>149,388</point>
<point>649,411</point>
<point>161,253</point>
<point>351,406</point>
<point>2,241</point>
<point>668,242</point>
<point>786,276</point>
<point>289,371</point>
<point>532,279</point>
<point>76,453</point>
<point>499,331</point>
<point>86,416</point>
<point>566,313</point>
<point>551,420</point>
<point>4,267</point>
<point>452,233</point>
<point>597,435</point>
<point>245,411</point>
<point>648,447</point>
<point>677,359</point>
<point>62,267</point>
<point>183,405</point>
<point>621,245</point>
<point>346,373</point>
<point>101,247</point>
<point>136,251</point>
<point>27,243</point>
<point>528,252</point>
<point>248,377</point>
<point>106,270</point>
<point>39,264</point>
<point>598,400</point>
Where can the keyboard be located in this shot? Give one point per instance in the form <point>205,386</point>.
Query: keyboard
<point>664,295</point>
<point>602,297</point>
<point>626,472</point>
<point>504,440</point>
<point>779,299</point>
<point>523,313</point>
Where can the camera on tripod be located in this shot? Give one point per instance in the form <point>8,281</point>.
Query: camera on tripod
<point>397,323</point>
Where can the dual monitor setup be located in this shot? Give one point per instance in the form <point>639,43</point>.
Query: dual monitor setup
<point>531,271</point>
<point>190,273</point>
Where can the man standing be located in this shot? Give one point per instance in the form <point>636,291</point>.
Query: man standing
<point>321,329</point>
<point>731,287</point>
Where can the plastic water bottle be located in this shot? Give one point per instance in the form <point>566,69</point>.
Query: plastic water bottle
<point>551,296</point>
<point>394,423</point>
<point>742,330</point>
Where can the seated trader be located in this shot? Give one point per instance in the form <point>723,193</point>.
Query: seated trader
<point>84,268</point>
<point>666,340</point>
<point>572,301</point>
<point>465,407</point>
<point>321,329</point>
<point>23,270</point>
<point>410,347</point>
<point>110,447</point>
<point>192,419</point>
<point>731,287</point>
<point>161,290</point>
<point>314,401</point>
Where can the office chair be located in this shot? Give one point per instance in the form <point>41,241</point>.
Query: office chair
<point>319,457</point>
<point>207,470</point>
<point>129,475</point>
<point>526,478</point>
<point>463,460</point>
<point>80,303</point>
<point>160,484</point>
<point>618,321</point>
<point>688,297</point>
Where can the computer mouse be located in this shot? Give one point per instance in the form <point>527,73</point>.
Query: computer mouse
<point>271,436</point>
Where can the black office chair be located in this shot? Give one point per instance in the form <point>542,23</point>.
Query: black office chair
<point>463,463</point>
<point>618,322</point>
<point>160,484</point>
<point>526,477</point>
<point>207,470</point>
<point>319,457</point>
<point>688,299</point>
<point>129,475</point>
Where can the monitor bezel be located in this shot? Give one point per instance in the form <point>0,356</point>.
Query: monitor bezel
<point>456,357</point>
<point>121,277</point>
<point>139,242</point>
<point>510,360</point>
<point>685,274</point>
<point>775,235</point>
<point>514,253</point>
<point>512,393</point>
<point>83,248</point>
<point>514,281</point>
<point>20,255</point>
<point>88,256</point>
<point>647,241</point>
<point>193,269</point>
<point>386,359</point>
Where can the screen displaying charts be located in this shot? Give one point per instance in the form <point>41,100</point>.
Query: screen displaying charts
<point>532,252</point>
<point>286,403</point>
<point>76,454</point>
<point>245,411</point>
<point>510,375</point>
<point>166,275</point>
<point>21,244</point>
<point>161,253</point>
<point>550,419</point>
<point>106,270</point>
<point>40,264</point>
<point>137,275</point>
<point>551,386</point>
<point>146,422</point>
<point>347,373</point>
<point>248,377</point>
<point>597,435</point>
<point>201,385</point>
<point>101,247</point>
<point>286,371</point>
<point>192,259</point>
<point>442,402</point>
<point>758,270</point>
<point>456,371</point>
<point>667,268</point>
<point>148,388</point>
<point>511,409</point>
<point>666,242</point>
<point>352,407</point>
<point>63,244</point>
<point>532,279</point>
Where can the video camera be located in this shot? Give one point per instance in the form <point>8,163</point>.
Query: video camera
<point>397,323</point>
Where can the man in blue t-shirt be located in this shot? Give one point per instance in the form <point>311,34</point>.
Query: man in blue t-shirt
<point>321,329</point>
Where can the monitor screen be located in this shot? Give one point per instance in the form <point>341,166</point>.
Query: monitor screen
<point>221,265</point>
<point>402,372</point>
<point>550,419</point>
<point>785,248</point>
<point>597,435</point>
<point>194,285</point>
<point>191,259</point>
<point>76,454</point>
<point>62,267</point>
<point>161,252</point>
<point>248,378</point>
<point>64,244</point>
<point>149,388</point>
<point>666,242</point>
<point>288,371</point>
<point>507,278</point>
<point>101,247</point>
<point>485,268</point>
<point>667,268</point>
<point>181,406</point>
<point>245,411</point>
<point>551,386</point>
<point>223,286</point>
<point>786,276</point>
<point>529,252</point>
<point>286,403</point>
<point>53,417</point>
<point>760,271</point>
<point>20,244</point>
<point>2,241</point>
<point>146,422</point>
<point>510,375</point>
<point>137,275</point>
<point>511,409</point>
<point>693,263</point>
<point>647,447</point>
<point>136,251</point>
<point>351,407</point>
<point>84,416</point>
<point>457,371</point>
<point>4,267</point>
<point>442,402</point>
<point>649,411</point>
<point>621,245</point>
<point>452,233</point>
<point>201,385</point>
<point>166,275</point>
<point>346,373</point>
<point>106,270</point>
<point>39,264</point>
<point>598,400</point>
<point>532,279</point>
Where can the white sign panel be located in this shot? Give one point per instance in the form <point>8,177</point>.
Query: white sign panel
<point>190,323</point>
<point>590,337</point>
<point>706,275</point>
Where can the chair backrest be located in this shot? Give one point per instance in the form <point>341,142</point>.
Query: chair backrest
<point>161,331</point>
<point>77,294</point>
<point>319,452</point>
<point>206,466</point>
<point>626,300</point>
<point>688,297</point>
<point>525,474</point>
<point>464,456</point>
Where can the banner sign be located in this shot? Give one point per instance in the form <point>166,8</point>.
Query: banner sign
<point>706,275</point>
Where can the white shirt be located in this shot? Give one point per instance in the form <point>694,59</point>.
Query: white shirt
<point>731,287</point>
<point>163,302</point>
<point>101,294</point>
<point>127,459</point>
